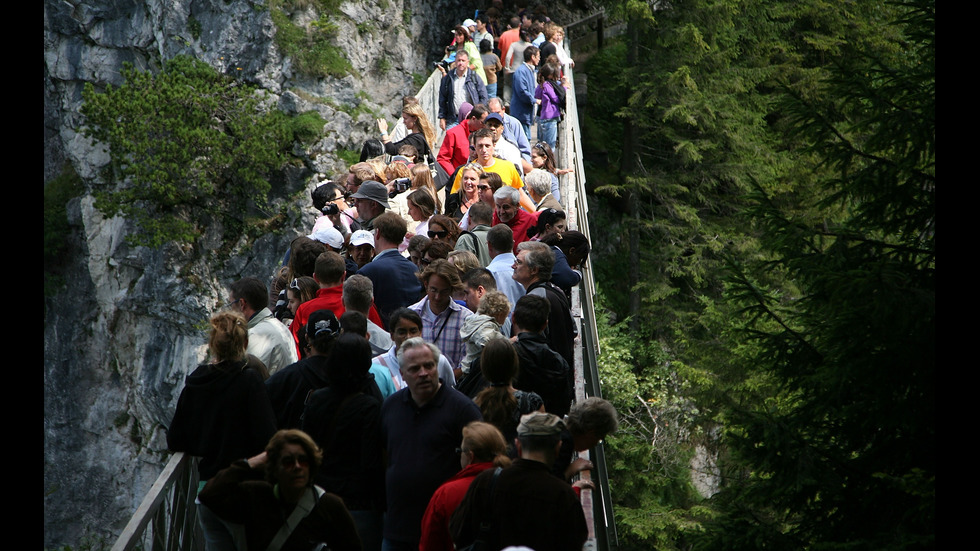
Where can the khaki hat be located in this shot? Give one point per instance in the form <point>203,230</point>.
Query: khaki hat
<point>540,424</point>
<point>375,191</point>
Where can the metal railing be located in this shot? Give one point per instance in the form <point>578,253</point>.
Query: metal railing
<point>155,525</point>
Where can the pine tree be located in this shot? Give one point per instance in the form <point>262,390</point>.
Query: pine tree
<point>843,456</point>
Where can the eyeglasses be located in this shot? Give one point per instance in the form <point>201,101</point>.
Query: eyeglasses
<point>438,234</point>
<point>288,461</point>
<point>425,261</point>
<point>483,188</point>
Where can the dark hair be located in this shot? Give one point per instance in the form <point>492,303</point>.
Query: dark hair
<point>501,238</point>
<point>372,148</point>
<point>352,321</point>
<point>478,111</point>
<point>481,212</point>
<point>529,52</point>
<point>437,250</point>
<point>485,46</point>
<point>545,217</point>
<point>302,257</point>
<point>483,133</point>
<point>324,193</point>
<point>549,156</point>
<point>404,313</point>
<point>255,293</point>
<point>480,277</point>
<point>548,72</point>
<point>391,227</point>
<point>350,360</point>
<point>568,240</point>
<point>531,313</point>
<point>449,224</point>
<point>422,198</point>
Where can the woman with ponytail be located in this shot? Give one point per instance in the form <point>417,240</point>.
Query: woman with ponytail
<point>482,448</point>
<point>500,403</point>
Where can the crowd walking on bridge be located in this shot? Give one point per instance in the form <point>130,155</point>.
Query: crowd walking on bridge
<point>403,380</point>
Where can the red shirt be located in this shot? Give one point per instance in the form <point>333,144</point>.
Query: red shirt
<point>519,223</point>
<point>435,522</point>
<point>331,298</point>
<point>455,150</point>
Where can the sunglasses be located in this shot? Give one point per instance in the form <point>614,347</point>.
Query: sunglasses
<point>294,284</point>
<point>483,187</point>
<point>440,234</point>
<point>288,461</point>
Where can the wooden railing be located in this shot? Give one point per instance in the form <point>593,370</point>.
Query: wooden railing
<point>167,518</point>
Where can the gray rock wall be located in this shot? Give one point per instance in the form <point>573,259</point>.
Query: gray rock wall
<point>129,324</point>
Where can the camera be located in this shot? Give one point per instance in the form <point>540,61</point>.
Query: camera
<point>330,208</point>
<point>399,185</point>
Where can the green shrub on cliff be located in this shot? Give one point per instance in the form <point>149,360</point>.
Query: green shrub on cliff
<point>188,147</point>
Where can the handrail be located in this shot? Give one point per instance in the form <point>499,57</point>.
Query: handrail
<point>171,497</point>
<point>602,527</point>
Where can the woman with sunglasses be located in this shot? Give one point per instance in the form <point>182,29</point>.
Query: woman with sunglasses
<point>445,229</point>
<point>274,490</point>
<point>458,203</point>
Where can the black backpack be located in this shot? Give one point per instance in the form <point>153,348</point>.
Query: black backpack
<point>560,92</point>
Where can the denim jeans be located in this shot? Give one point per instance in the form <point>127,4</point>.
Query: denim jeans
<point>548,131</point>
<point>219,535</point>
<point>491,90</point>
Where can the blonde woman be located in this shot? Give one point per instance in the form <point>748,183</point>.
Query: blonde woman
<point>421,133</point>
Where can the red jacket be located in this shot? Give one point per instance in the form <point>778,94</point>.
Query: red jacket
<point>331,298</point>
<point>435,522</point>
<point>455,150</point>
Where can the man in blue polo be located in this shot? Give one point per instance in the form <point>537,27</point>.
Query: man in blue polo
<point>421,426</point>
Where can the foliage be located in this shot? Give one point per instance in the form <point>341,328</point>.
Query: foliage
<point>307,127</point>
<point>311,48</point>
<point>648,457</point>
<point>718,177</point>
<point>850,462</point>
<point>57,193</point>
<point>187,145</point>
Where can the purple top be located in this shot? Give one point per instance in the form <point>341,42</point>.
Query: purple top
<point>549,101</point>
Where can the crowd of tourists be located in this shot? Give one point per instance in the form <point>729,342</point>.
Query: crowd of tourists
<point>403,379</point>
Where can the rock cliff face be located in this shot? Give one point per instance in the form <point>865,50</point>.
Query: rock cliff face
<point>127,326</point>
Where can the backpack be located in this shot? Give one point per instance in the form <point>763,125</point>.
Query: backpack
<point>560,92</point>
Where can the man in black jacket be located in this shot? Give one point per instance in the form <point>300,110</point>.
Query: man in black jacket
<point>532,269</point>
<point>542,369</point>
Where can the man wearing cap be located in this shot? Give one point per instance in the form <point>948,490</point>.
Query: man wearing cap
<point>329,273</point>
<point>455,149</point>
<point>527,505</point>
<point>371,199</point>
<point>361,248</point>
<point>458,86</point>
<point>394,276</point>
<point>332,238</point>
<point>504,149</point>
<point>513,131</point>
<point>421,426</point>
<point>268,338</point>
<point>289,387</point>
